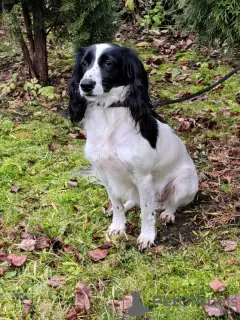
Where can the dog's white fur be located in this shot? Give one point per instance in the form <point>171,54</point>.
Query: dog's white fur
<point>157,179</point>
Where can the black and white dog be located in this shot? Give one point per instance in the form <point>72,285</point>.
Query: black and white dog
<point>138,158</point>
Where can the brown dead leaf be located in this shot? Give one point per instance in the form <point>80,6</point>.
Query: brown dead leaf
<point>73,183</point>
<point>120,307</point>
<point>27,235</point>
<point>77,208</point>
<point>97,254</point>
<point>27,245</point>
<point>51,147</point>
<point>106,245</point>
<point>3,256</point>
<point>1,222</point>
<point>225,112</point>
<point>42,243</point>
<point>152,72</point>
<point>15,188</point>
<point>71,249</point>
<point>16,261</point>
<point>228,245</point>
<point>71,314</point>
<point>39,228</point>
<point>2,271</point>
<point>27,307</point>
<point>56,282</point>
<point>83,295</point>
<point>158,42</point>
<point>218,286</point>
<point>80,135</point>
<point>158,250</point>
<point>233,302</point>
<point>215,310</point>
<point>100,284</point>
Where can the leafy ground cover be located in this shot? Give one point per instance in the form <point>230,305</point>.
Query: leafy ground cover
<point>53,218</point>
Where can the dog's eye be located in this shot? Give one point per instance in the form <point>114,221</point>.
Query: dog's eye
<point>108,63</point>
<point>84,64</point>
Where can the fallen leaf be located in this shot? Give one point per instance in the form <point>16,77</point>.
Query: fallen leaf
<point>211,125</point>
<point>158,249</point>
<point>51,147</point>
<point>100,284</point>
<point>218,286</point>
<point>42,243</point>
<point>16,261</point>
<point>39,228</point>
<point>106,245</point>
<point>15,188</point>
<point>21,225</point>
<point>3,257</point>
<point>71,249</point>
<point>120,307</point>
<point>1,222</point>
<point>71,314</point>
<point>168,76</point>
<point>157,60</point>
<point>215,310</point>
<point>152,72</point>
<point>228,245</point>
<point>158,42</point>
<point>27,245</point>
<point>142,44</point>
<point>73,183</point>
<point>27,235</point>
<point>97,254</point>
<point>83,295</point>
<point>56,282</point>
<point>77,208</point>
<point>80,135</point>
<point>233,302</point>
<point>56,244</point>
<point>225,112</point>
<point>27,307</point>
<point>1,271</point>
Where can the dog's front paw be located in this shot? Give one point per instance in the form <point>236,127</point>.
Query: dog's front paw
<point>167,217</point>
<point>145,241</point>
<point>116,229</point>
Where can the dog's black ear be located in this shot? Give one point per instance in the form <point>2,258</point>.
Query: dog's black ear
<point>77,104</point>
<point>136,77</point>
<point>138,100</point>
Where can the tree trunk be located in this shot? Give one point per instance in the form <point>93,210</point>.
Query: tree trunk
<point>27,58</point>
<point>25,51</point>
<point>28,25</point>
<point>40,38</point>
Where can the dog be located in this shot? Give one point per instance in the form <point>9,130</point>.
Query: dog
<point>138,158</point>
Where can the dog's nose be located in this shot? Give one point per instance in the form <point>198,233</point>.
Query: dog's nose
<point>87,85</point>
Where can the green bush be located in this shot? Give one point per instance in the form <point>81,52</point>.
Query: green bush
<point>214,21</point>
<point>155,16</point>
<point>90,22</point>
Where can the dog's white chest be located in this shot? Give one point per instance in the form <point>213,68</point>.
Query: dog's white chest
<point>106,133</point>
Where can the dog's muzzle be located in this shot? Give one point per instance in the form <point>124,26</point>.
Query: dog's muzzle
<point>87,85</point>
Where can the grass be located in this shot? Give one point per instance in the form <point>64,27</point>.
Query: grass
<point>183,268</point>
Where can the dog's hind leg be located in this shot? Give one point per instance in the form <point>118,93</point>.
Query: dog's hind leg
<point>179,192</point>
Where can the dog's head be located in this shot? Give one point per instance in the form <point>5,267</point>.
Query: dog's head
<point>108,73</point>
